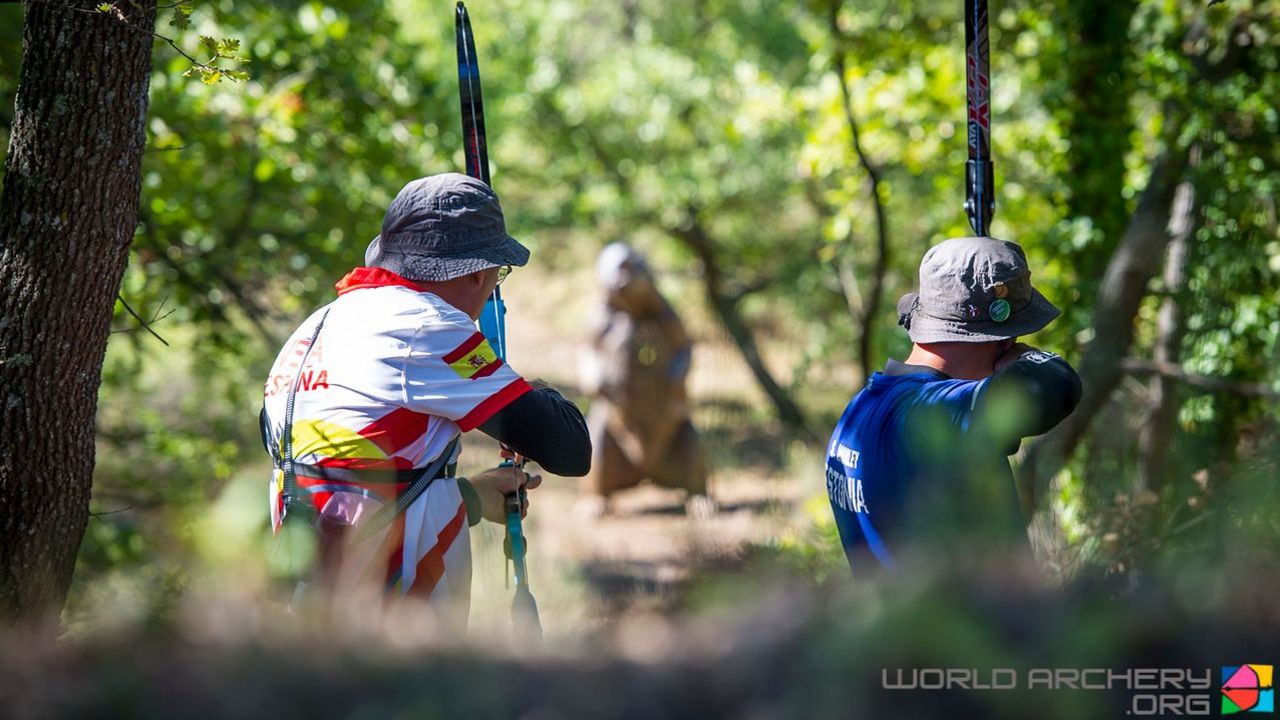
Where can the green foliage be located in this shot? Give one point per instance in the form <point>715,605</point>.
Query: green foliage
<point>181,17</point>
<point>220,50</point>
<point>642,120</point>
<point>646,120</point>
<point>210,71</point>
<point>303,157</point>
<point>10,62</point>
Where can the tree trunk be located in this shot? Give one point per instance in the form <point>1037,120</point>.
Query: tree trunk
<point>67,215</point>
<point>1135,261</point>
<point>880,267</point>
<point>695,237</point>
<point>723,303</point>
<point>1157,431</point>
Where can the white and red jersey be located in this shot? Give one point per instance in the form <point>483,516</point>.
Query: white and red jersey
<point>395,375</point>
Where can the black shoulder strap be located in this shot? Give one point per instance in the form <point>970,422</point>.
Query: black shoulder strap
<point>286,461</point>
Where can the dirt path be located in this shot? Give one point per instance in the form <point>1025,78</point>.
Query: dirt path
<point>588,571</point>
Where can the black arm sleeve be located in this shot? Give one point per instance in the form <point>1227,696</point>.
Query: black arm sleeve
<point>1050,387</point>
<point>546,428</point>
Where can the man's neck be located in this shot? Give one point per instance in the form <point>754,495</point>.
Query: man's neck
<point>458,293</point>
<point>964,363</point>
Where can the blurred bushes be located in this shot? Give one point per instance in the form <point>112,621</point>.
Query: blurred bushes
<point>638,120</point>
<point>783,651</point>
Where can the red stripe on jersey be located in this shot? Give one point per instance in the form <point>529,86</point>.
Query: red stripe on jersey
<point>375,486</point>
<point>487,370</point>
<point>431,566</point>
<point>395,463</point>
<point>396,429</point>
<point>368,277</point>
<point>492,404</point>
<point>464,349</point>
<point>319,499</point>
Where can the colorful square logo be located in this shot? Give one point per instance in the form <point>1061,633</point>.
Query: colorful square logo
<point>1247,688</point>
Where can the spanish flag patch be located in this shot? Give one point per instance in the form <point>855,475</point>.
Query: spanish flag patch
<point>473,358</point>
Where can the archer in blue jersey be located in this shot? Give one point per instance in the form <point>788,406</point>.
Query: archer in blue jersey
<point>919,455</point>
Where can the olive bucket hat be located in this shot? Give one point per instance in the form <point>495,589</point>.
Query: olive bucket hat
<point>442,227</point>
<point>974,289</point>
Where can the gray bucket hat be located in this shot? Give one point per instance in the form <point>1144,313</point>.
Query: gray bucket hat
<point>974,289</point>
<point>442,227</point>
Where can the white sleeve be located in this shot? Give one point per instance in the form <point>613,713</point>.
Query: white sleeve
<point>452,372</point>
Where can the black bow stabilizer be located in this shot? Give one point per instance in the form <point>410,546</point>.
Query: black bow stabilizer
<point>980,199</point>
<point>475,146</point>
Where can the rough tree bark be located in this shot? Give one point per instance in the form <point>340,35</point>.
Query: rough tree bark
<point>67,214</point>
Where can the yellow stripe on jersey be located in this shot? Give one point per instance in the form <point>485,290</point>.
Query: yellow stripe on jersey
<point>332,440</point>
<point>473,362</point>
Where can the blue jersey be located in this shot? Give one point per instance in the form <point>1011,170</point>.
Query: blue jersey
<point>905,464</point>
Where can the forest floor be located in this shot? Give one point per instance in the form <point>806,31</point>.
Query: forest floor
<point>588,570</point>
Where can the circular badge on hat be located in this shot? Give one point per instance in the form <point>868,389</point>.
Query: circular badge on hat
<point>1001,291</point>
<point>999,310</point>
